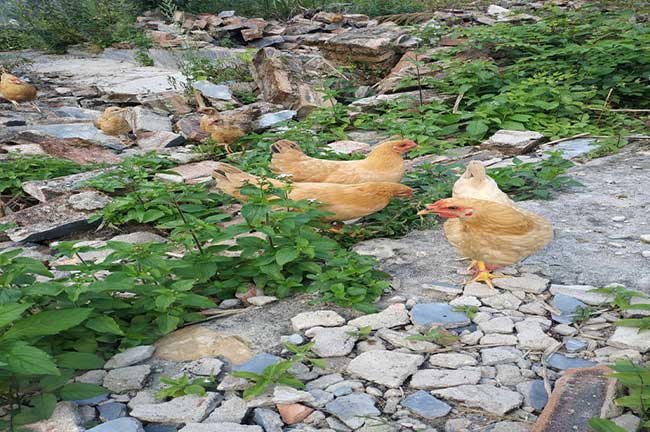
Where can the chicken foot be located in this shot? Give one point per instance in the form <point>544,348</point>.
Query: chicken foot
<point>484,274</point>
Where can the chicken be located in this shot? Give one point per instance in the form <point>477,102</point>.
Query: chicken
<point>345,201</point>
<point>111,122</point>
<point>383,164</point>
<point>218,130</point>
<point>476,184</point>
<point>492,233</point>
<point>16,90</point>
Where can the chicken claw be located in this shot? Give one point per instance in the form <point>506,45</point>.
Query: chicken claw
<point>485,275</point>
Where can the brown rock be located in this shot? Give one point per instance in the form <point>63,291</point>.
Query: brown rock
<point>406,69</point>
<point>170,102</point>
<point>283,80</point>
<point>194,342</point>
<point>45,190</point>
<point>250,34</point>
<point>78,150</point>
<point>293,413</point>
<point>191,129</point>
<point>581,394</point>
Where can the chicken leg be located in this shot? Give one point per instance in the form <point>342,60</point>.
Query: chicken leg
<point>484,274</point>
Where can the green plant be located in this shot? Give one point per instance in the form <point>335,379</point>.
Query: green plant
<point>469,311</point>
<point>182,386</point>
<point>277,373</point>
<point>436,335</point>
<point>143,58</point>
<point>24,168</point>
<point>582,314</point>
<point>302,353</point>
<point>636,380</point>
<point>195,67</point>
<point>33,354</point>
<point>621,296</point>
<point>168,8</point>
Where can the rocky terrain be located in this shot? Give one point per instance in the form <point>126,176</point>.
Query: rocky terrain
<point>516,361</point>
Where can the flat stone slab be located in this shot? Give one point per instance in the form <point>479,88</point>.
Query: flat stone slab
<point>562,362</point>
<point>496,400</point>
<point>44,190</point>
<point>393,316</point>
<point>258,363</point>
<point>55,218</point>
<point>352,409</point>
<point>424,405</point>
<point>511,142</point>
<point>429,379</point>
<point>184,409</point>
<point>437,314</point>
<point>321,318</point>
<point>580,395</point>
<point>387,368</point>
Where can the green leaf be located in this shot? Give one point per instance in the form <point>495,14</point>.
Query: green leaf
<point>604,425</point>
<point>152,215</point>
<point>477,128</point>
<point>79,391</point>
<point>48,323</point>
<point>11,312</point>
<point>104,324</point>
<point>24,359</point>
<point>286,255</point>
<point>42,408</point>
<point>167,323</point>
<point>52,382</point>
<point>255,390</point>
<point>194,389</point>
<point>79,360</point>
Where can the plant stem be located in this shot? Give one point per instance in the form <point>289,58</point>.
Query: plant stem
<point>180,212</point>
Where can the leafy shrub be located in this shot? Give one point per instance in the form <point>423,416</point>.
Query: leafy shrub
<point>182,386</point>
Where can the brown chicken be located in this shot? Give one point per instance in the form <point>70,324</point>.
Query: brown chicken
<point>476,184</point>
<point>111,122</point>
<point>383,164</point>
<point>491,233</point>
<point>16,90</point>
<point>345,201</point>
<point>212,124</point>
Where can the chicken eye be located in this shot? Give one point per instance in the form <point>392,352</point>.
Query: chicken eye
<point>453,208</point>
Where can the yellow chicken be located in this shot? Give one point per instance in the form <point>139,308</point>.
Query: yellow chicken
<point>213,125</point>
<point>491,233</point>
<point>112,123</point>
<point>346,201</point>
<point>384,164</point>
<point>16,90</point>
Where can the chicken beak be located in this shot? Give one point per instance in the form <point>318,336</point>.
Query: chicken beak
<point>424,212</point>
<point>430,209</point>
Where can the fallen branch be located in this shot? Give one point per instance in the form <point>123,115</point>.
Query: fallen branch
<point>457,103</point>
<point>557,141</point>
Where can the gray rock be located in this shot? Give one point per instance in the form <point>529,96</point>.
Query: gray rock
<point>289,395</point>
<point>527,282</point>
<point>92,401</point>
<point>509,426</point>
<point>493,399</point>
<point>437,314</point>
<point>88,201</point>
<point>497,325</point>
<point>387,368</point>
<point>153,427</point>
<point>499,339</point>
<point>269,420</point>
<point>258,363</point>
<point>130,357</point>
<point>159,141</point>
<point>66,417</point>
<point>271,119</point>
<point>532,337</point>
<point>205,366</point>
<point>508,375</point>
<point>145,120</point>
<point>562,362</point>
<point>262,300</point>
<point>111,411</point>
<point>480,290</point>
<point>500,355</point>
<point>510,142</point>
<point>627,421</point>
<point>567,306</point>
<point>128,378</point>
<point>324,381</point>
<point>184,409</point>
<point>425,405</point>
<point>220,427</point>
<point>322,318</point>
<point>232,410</point>
<point>321,398</point>
<point>574,345</point>
<point>534,392</point>
<point>457,425</point>
<point>582,293</point>
<point>230,303</point>
<point>217,92</point>
<point>124,424</point>
<point>92,377</point>
<point>351,409</point>
<point>44,190</point>
<point>452,360</point>
<point>332,341</point>
<point>393,316</point>
<point>429,379</point>
<point>630,338</point>
<point>502,301</point>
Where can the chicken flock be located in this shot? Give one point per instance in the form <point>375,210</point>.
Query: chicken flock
<point>483,223</point>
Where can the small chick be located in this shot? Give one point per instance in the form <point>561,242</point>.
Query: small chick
<point>16,90</point>
<point>112,123</point>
